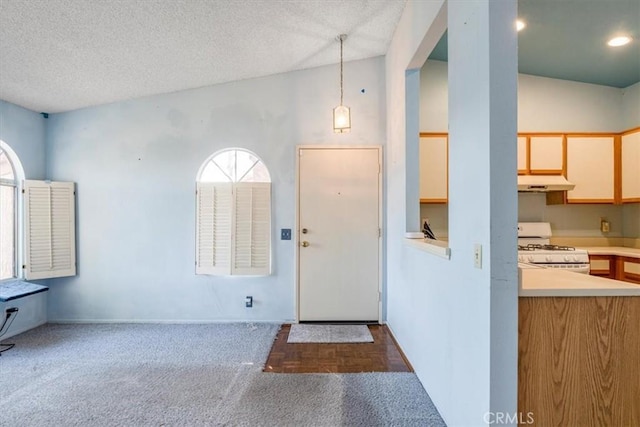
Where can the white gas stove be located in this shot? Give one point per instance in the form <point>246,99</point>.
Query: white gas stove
<point>534,248</point>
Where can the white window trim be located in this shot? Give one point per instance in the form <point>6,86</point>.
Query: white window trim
<point>211,157</point>
<point>19,177</point>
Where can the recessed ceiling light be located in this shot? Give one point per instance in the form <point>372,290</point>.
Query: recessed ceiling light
<point>619,41</point>
<point>520,24</point>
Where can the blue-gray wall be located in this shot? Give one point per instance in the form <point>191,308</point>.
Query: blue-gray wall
<point>135,165</point>
<point>456,323</point>
<point>24,131</point>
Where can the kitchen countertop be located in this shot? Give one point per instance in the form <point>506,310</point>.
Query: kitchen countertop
<point>549,282</point>
<point>613,250</point>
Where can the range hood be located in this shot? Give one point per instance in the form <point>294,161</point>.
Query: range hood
<point>543,183</point>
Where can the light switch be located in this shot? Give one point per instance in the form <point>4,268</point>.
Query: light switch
<point>477,255</point>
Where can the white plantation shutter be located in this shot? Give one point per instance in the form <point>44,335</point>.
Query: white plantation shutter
<point>233,235</point>
<point>214,222</point>
<point>252,228</point>
<point>50,242</point>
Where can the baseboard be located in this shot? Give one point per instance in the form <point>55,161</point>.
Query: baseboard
<point>18,331</point>
<point>163,321</point>
<point>402,353</point>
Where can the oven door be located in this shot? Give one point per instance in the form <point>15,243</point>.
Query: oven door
<point>583,268</point>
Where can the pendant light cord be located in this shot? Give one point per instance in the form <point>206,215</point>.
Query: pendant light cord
<point>341,91</point>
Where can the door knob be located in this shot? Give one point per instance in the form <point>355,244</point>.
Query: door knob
<point>305,231</point>
<point>305,243</point>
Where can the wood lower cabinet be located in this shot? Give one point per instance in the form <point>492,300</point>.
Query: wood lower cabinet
<point>628,269</point>
<point>616,267</point>
<point>578,360</point>
<point>603,266</point>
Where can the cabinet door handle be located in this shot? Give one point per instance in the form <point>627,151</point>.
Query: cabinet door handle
<point>305,243</point>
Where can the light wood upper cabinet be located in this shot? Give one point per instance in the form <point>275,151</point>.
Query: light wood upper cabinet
<point>591,167</point>
<point>523,155</point>
<point>434,168</point>
<point>630,165</point>
<point>540,154</point>
<point>546,155</point>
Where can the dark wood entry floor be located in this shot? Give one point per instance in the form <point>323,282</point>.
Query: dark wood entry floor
<point>382,355</point>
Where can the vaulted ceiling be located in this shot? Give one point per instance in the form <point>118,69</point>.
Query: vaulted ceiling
<point>61,55</point>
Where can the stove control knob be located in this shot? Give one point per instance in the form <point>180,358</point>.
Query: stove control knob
<point>530,258</point>
<point>520,258</point>
<point>567,258</point>
<point>548,258</point>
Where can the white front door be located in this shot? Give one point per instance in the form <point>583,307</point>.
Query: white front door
<point>339,234</point>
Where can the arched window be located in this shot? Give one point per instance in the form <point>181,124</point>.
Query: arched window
<point>234,165</point>
<point>11,175</point>
<point>233,215</point>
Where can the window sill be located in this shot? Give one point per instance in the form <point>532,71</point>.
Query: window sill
<point>435,247</point>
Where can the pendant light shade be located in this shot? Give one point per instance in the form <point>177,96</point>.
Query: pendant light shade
<point>341,114</point>
<point>341,119</point>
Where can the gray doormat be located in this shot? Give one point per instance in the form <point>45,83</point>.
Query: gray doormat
<point>302,333</point>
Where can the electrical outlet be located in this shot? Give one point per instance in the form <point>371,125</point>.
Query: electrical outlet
<point>248,302</point>
<point>285,234</point>
<point>605,226</point>
<point>477,255</point>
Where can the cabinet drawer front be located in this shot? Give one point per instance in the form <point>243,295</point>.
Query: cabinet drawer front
<point>600,265</point>
<point>632,267</point>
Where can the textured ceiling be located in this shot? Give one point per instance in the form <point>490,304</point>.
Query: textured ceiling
<point>60,55</point>
<point>566,39</point>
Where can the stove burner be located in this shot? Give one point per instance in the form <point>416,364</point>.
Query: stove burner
<point>536,247</point>
<point>559,248</point>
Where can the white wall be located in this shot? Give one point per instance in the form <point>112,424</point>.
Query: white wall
<point>544,104</point>
<point>570,220</point>
<point>434,97</point>
<point>458,324</point>
<point>135,165</point>
<point>631,107</point>
<point>438,215</point>
<point>631,220</point>
<point>551,105</point>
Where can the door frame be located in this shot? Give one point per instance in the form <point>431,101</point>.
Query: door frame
<point>296,239</point>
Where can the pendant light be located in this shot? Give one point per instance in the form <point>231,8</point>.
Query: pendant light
<point>341,114</point>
